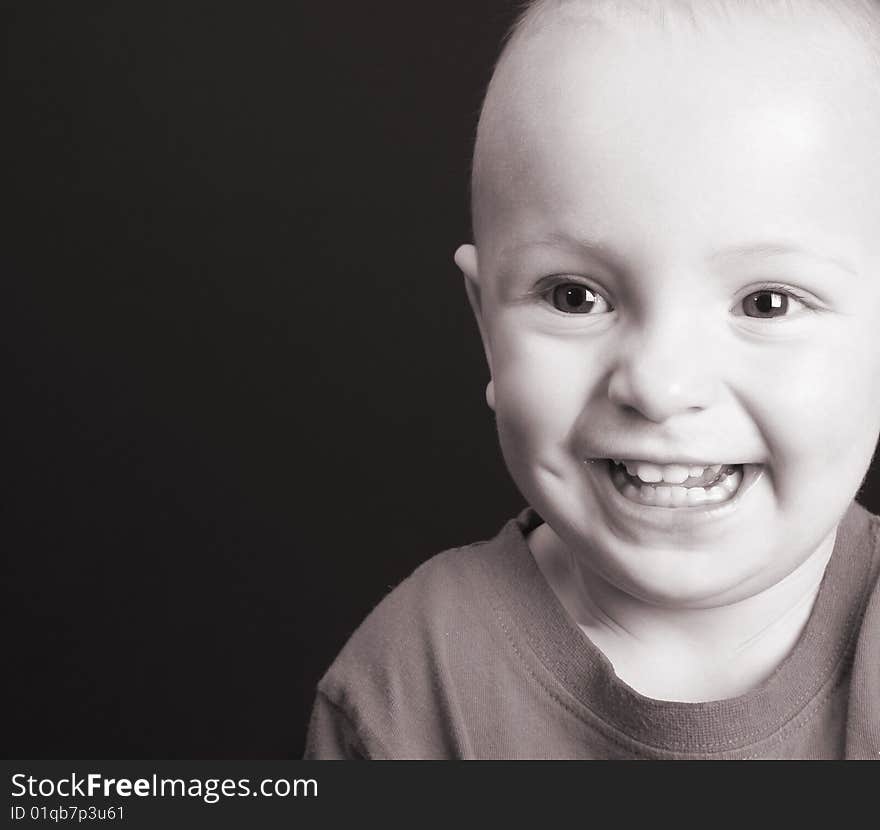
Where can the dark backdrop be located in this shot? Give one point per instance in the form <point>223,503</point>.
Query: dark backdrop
<point>245,394</point>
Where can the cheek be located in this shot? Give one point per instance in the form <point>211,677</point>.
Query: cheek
<point>818,406</point>
<point>541,388</point>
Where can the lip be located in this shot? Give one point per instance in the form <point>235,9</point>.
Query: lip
<point>667,518</point>
<point>685,461</point>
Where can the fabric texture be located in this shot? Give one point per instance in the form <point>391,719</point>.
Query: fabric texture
<point>473,656</point>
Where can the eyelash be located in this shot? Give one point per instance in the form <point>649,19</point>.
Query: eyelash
<point>545,291</point>
<point>779,288</point>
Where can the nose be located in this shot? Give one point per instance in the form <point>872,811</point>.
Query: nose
<point>664,368</point>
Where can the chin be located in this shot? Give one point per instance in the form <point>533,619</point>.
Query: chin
<point>675,578</point>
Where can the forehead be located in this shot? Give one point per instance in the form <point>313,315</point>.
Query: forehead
<point>744,123</point>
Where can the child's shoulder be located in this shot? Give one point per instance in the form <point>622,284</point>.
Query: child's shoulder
<point>443,612</point>
<point>388,690</point>
<point>450,591</point>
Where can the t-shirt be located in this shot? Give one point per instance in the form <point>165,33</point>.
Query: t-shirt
<point>473,656</point>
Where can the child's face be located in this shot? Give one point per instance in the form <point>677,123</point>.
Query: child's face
<point>678,260</point>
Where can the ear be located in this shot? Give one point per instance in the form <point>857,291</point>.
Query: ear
<point>466,259</point>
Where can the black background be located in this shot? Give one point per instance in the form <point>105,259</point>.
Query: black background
<point>246,390</point>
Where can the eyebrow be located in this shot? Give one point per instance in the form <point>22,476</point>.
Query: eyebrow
<point>593,246</point>
<point>755,250</point>
<point>765,250</point>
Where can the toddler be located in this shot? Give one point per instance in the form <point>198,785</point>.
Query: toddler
<point>676,276</point>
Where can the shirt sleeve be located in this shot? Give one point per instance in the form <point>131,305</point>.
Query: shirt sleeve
<point>332,736</point>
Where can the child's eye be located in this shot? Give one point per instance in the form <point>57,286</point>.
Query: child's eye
<point>575,298</point>
<point>765,304</point>
<point>768,303</point>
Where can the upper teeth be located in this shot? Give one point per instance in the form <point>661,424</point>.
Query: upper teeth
<point>670,473</point>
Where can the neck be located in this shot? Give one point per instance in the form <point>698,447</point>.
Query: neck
<point>686,654</point>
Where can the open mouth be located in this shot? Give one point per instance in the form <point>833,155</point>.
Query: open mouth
<point>675,485</point>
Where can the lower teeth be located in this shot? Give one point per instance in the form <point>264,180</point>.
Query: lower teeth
<point>673,495</point>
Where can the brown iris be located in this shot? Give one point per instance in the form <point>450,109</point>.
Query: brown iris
<point>765,304</point>
<point>573,298</point>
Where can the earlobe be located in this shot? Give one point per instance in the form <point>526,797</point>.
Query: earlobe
<point>490,394</point>
<point>466,259</point>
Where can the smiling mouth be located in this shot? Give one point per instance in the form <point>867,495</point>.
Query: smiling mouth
<point>675,485</point>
